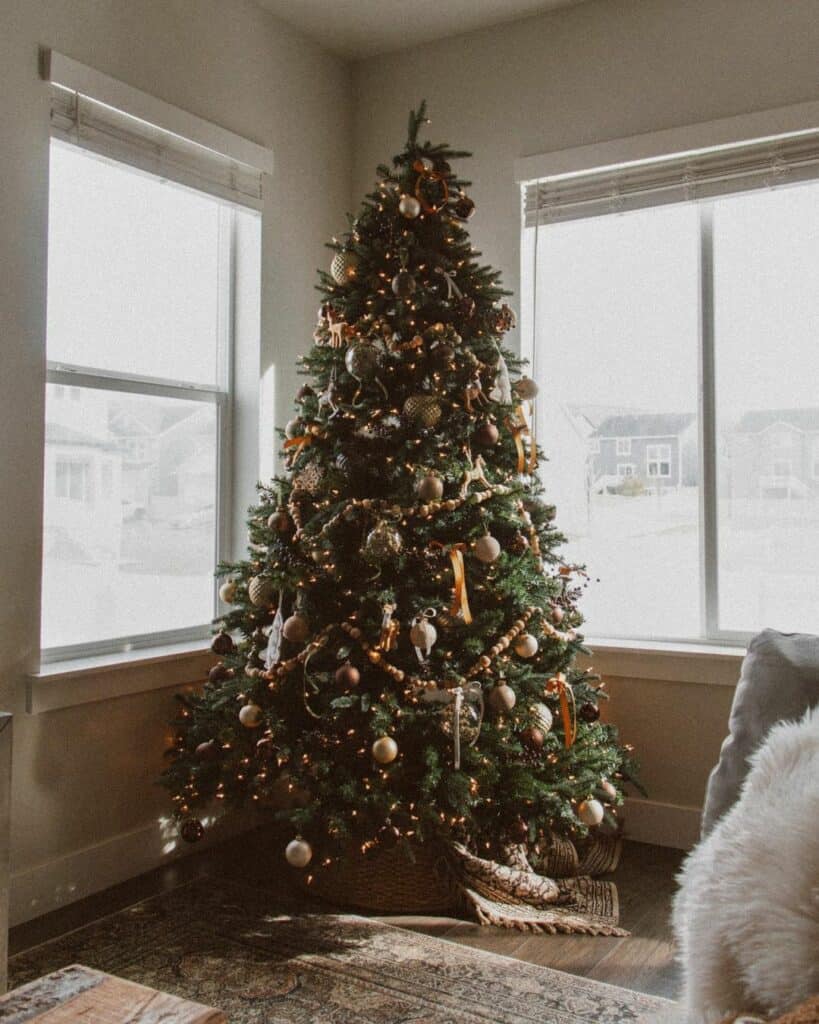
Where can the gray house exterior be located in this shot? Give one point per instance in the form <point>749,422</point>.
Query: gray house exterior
<point>774,453</point>
<point>658,449</point>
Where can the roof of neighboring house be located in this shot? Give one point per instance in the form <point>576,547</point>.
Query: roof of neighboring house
<point>57,433</point>
<point>757,420</point>
<point>646,424</point>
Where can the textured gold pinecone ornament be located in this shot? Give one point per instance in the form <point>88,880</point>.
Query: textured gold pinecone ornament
<point>261,591</point>
<point>344,267</point>
<point>422,411</point>
<point>382,543</point>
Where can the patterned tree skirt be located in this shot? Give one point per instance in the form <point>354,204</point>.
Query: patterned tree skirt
<point>227,946</point>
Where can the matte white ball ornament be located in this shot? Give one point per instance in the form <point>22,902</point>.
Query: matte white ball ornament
<point>250,715</point>
<point>385,749</point>
<point>227,592</point>
<point>299,853</point>
<point>487,548</point>
<point>590,812</point>
<point>409,207</point>
<point>608,789</point>
<point>296,629</point>
<point>526,646</point>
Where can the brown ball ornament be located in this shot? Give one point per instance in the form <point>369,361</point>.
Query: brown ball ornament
<point>430,487</point>
<point>404,284</point>
<point>519,830</point>
<point>533,738</point>
<point>487,434</point>
<point>463,208</point>
<point>296,629</point>
<point>588,713</point>
<point>210,750</point>
<point>502,698</point>
<point>519,544</point>
<point>191,830</point>
<point>526,389</point>
<point>487,549</point>
<point>385,750</point>
<point>219,673</point>
<point>443,354</point>
<point>250,715</point>
<point>222,644</point>
<point>280,521</point>
<point>348,675</point>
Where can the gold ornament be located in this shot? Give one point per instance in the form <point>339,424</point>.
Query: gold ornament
<point>344,267</point>
<point>382,542</point>
<point>430,487</point>
<point>296,629</point>
<point>590,812</point>
<point>487,548</point>
<point>227,592</point>
<point>469,719</point>
<point>422,411</point>
<point>526,646</point>
<point>409,207</point>
<point>542,716</point>
<point>261,591</point>
<point>251,716</point>
<point>298,853</point>
<point>309,480</point>
<point>385,750</point>
<point>526,389</point>
<point>502,698</point>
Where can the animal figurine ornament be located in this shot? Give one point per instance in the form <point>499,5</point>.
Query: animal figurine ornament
<point>475,474</point>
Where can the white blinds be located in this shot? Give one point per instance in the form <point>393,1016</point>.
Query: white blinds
<point>102,129</point>
<point>689,176</point>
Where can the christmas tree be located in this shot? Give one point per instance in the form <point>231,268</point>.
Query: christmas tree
<point>398,657</point>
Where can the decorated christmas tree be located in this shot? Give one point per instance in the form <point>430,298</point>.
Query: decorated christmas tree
<point>398,654</point>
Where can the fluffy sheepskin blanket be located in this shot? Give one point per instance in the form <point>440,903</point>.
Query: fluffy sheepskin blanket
<point>746,917</point>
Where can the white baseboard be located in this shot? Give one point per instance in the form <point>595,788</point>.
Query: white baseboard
<point>72,877</point>
<point>675,825</point>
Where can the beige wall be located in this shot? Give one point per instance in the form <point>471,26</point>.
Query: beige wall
<point>601,70</point>
<point>84,776</point>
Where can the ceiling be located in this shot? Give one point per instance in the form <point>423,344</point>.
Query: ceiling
<point>363,28</point>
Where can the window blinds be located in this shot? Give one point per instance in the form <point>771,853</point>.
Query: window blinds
<point>689,176</point>
<point>95,126</point>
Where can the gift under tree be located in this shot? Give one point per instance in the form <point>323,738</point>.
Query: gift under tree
<point>398,657</point>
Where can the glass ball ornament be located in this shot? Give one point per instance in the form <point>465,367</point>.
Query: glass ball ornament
<point>251,715</point>
<point>469,722</point>
<point>404,284</point>
<point>422,411</point>
<point>382,543</point>
<point>590,812</point>
<point>526,646</point>
<point>298,853</point>
<point>362,360</point>
<point>409,207</point>
<point>191,830</point>
<point>385,750</point>
<point>487,548</point>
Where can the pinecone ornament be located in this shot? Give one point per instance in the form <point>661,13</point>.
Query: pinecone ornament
<point>422,411</point>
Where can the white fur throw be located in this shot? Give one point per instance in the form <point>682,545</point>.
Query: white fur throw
<point>746,917</point>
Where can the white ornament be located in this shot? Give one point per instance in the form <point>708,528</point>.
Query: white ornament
<point>385,750</point>
<point>298,853</point>
<point>608,789</point>
<point>227,592</point>
<point>526,646</point>
<point>296,629</point>
<point>543,717</point>
<point>590,812</point>
<point>293,428</point>
<point>487,548</point>
<point>409,207</point>
<point>250,716</point>
<point>423,634</point>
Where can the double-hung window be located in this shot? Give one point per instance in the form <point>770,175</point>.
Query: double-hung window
<point>142,276</point>
<point>672,311</point>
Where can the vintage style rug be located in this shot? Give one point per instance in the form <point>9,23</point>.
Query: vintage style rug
<point>231,947</point>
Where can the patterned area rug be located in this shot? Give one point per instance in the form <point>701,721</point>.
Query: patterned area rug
<point>230,947</point>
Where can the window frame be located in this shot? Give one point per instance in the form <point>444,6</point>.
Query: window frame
<point>622,446</point>
<point>221,396</point>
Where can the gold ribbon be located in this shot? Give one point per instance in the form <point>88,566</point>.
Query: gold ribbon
<point>520,428</point>
<point>299,443</point>
<point>460,599</point>
<point>568,710</point>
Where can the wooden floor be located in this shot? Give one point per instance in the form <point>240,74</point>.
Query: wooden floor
<point>645,879</point>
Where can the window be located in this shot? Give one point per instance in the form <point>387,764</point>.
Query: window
<point>658,460</point>
<point>624,446</point>
<point>625,469</point>
<point>671,290</point>
<point>142,273</point>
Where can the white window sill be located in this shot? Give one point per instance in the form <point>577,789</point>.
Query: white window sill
<point>64,684</point>
<point>710,664</point>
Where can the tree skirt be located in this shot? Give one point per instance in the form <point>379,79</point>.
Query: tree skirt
<point>231,947</point>
<point>550,892</point>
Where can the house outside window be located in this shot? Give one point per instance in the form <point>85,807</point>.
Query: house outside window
<point>723,432</point>
<point>137,483</point>
<point>625,469</point>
